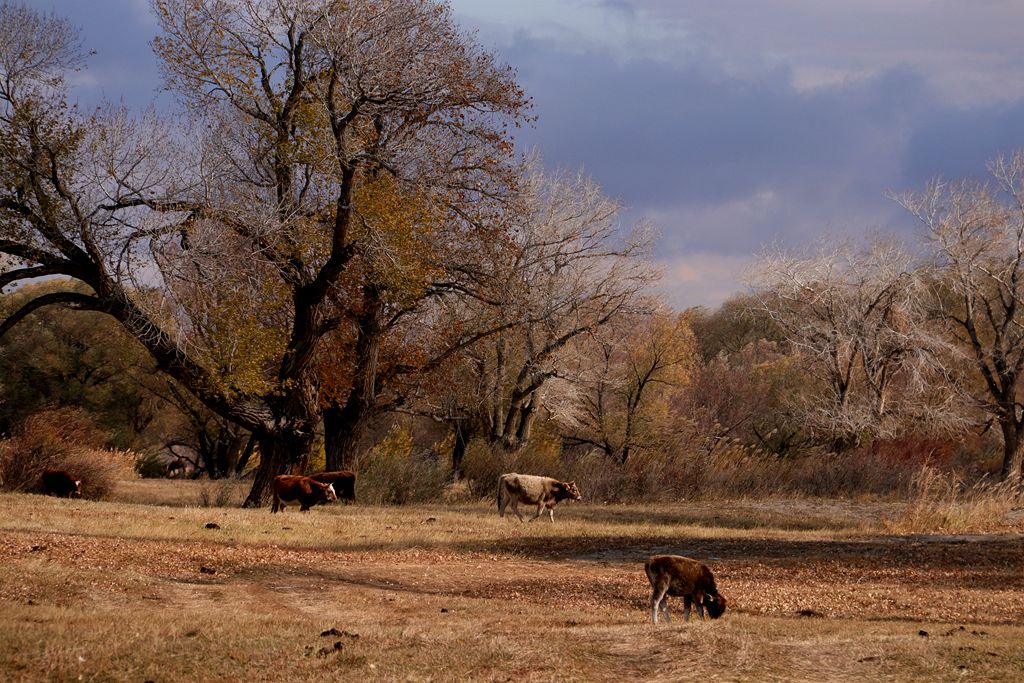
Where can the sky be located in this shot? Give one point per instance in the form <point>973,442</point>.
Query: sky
<point>732,126</point>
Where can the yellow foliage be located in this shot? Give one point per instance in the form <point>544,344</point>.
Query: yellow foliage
<point>400,228</point>
<point>242,348</point>
<point>397,445</point>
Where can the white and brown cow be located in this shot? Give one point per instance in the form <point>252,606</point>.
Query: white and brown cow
<point>343,481</point>
<point>308,492</point>
<point>544,492</point>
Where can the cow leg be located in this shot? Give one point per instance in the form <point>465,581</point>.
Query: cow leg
<point>700,605</point>
<point>658,600</point>
<point>551,513</point>
<point>687,603</point>
<point>515,509</point>
<point>540,510</point>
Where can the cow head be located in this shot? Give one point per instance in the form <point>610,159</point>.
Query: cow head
<point>77,493</point>
<point>569,490</point>
<point>330,495</point>
<point>715,605</point>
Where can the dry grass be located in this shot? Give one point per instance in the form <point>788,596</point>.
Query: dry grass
<point>115,591</point>
<point>942,502</point>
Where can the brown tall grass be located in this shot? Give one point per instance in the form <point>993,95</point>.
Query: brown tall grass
<point>943,502</point>
<point>64,439</point>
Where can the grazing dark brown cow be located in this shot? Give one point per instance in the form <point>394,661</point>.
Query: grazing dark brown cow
<point>681,576</point>
<point>343,481</point>
<point>544,492</point>
<point>176,468</point>
<point>60,483</point>
<point>289,488</point>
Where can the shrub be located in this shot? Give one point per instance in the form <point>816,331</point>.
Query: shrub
<point>393,473</point>
<point>151,465</point>
<point>735,470</point>
<point>221,493</point>
<point>99,470</point>
<point>64,439</point>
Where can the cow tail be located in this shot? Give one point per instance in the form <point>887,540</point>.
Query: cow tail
<point>501,488</point>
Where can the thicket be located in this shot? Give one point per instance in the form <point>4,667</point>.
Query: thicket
<point>64,439</point>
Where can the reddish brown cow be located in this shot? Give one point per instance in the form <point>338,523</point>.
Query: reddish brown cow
<point>290,487</point>
<point>60,483</point>
<point>343,481</point>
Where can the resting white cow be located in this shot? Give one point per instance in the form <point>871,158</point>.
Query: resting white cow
<point>544,492</point>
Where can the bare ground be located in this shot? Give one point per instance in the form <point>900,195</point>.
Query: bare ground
<point>516,603</point>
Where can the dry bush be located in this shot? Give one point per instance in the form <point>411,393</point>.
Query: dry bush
<point>64,439</point>
<point>100,470</point>
<point>221,493</point>
<point>734,470</point>
<point>394,473</point>
<point>458,492</point>
<point>151,465</point>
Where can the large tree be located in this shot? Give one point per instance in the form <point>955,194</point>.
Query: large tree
<point>976,235</point>
<point>228,246</point>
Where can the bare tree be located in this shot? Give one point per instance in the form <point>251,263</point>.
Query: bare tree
<point>565,274</point>
<point>976,233</point>
<point>226,248</point>
<point>857,317</point>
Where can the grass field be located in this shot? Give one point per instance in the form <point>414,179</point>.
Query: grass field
<point>818,591</point>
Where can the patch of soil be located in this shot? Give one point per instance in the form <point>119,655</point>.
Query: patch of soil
<point>974,579</point>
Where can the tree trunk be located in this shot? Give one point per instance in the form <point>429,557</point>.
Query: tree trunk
<point>344,428</point>
<point>277,454</point>
<point>1013,448</point>
<point>497,414</point>
<point>333,457</point>
<point>345,425</point>
<point>527,417</point>
<point>243,459</point>
<point>463,433</point>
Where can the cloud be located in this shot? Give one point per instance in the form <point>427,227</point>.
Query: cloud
<point>123,67</point>
<point>762,125</point>
<point>702,278</point>
<point>730,124</point>
<point>969,53</point>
